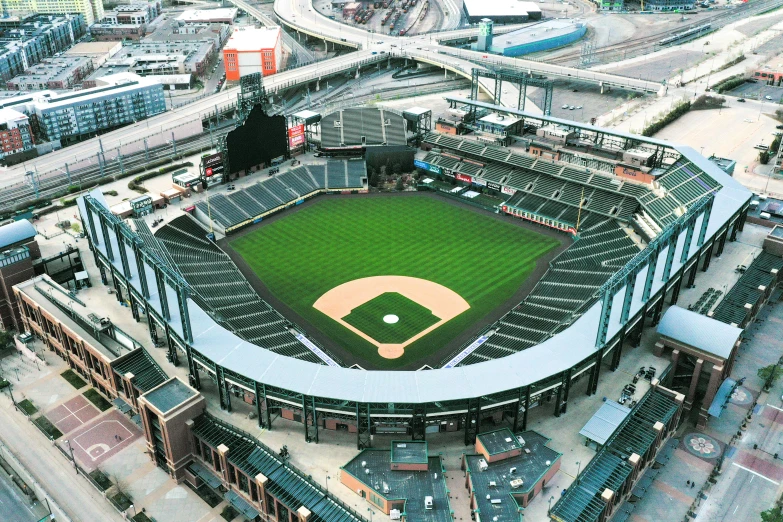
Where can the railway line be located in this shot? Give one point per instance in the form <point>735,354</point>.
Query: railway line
<point>636,46</point>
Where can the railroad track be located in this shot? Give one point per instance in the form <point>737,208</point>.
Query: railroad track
<point>717,21</point>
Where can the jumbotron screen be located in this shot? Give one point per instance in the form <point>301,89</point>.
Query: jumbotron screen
<point>260,139</point>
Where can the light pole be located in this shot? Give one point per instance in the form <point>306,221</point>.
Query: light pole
<point>371,513</point>
<point>134,509</point>
<point>327,484</point>
<point>578,469</point>
<point>549,511</point>
<point>70,450</point>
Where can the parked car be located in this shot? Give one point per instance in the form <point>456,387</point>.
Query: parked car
<point>741,100</point>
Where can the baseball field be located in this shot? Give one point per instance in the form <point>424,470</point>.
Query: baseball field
<point>392,280</point>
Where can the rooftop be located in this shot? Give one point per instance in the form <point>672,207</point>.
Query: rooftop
<point>253,39</point>
<point>535,32</point>
<point>499,119</point>
<point>18,230</point>
<point>409,452</point>
<point>169,395</point>
<point>205,15</point>
<point>777,231</point>
<point>500,8</point>
<point>603,423</point>
<point>372,468</point>
<point>101,334</point>
<point>499,441</point>
<point>495,481</point>
<point>699,331</point>
<point>88,48</point>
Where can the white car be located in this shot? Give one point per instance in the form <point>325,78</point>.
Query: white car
<point>768,97</point>
<point>564,107</point>
<point>571,108</point>
<point>578,106</point>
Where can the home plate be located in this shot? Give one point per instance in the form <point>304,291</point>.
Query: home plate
<point>96,450</point>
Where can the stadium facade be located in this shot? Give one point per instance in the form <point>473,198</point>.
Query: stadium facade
<point>679,221</point>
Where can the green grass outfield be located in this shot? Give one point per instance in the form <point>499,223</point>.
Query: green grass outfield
<point>302,256</point>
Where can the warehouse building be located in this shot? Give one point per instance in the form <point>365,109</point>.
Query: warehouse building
<point>501,11</point>
<point>15,133</point>
<point>541,36</point>
<point>251,51</point>
<point>98,52</point>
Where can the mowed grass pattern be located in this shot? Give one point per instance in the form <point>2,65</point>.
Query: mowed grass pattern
<point>413,318</point>
<point>305,254</point>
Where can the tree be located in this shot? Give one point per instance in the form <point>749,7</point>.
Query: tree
<point>769,374</point>
<point>397,169</point>
<point>764,157</point>
<point>6,339</point>
<point>400,185</point>
<point>373,177</point>
<point>774,146</point>
<point>773,514</point>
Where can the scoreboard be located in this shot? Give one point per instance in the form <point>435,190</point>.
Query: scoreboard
<point>212,169</point>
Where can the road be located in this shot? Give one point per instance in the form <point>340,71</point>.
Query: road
<point>300,15</point>
<point>51,469</point>
<point>14,506</point>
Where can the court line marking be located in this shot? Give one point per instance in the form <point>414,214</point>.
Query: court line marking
<point>76,439</point>
<point>756,473</point>
<point>774,407</point>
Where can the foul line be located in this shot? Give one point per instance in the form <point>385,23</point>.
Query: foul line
<point>775,407</point>
<point>756,473</point>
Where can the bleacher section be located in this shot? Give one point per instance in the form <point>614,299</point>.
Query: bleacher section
<point>569,287</point>
<point>566,188</point>
<point>600,193</point>
<point>273,194</point>
<point>222,289</point>
<point>731,309</point>
<point>362,126</point>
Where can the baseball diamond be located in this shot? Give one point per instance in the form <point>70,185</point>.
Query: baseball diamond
<point>467,263</point>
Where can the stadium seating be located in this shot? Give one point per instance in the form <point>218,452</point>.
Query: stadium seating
<point>220,288</point>
<point>272,194</point>
<point>363,126</point>
<point>569,287</point>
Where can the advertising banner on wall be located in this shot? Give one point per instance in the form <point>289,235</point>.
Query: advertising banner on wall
<point>426,166</point>
<point>296,136</point>
<point>464,177</point>
<point>493,186</point>
<point>509,191</point>
<point>212,169</point>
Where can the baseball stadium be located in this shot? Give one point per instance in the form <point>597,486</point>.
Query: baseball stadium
<point>512,273</point>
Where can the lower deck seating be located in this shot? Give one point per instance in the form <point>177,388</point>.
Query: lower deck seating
<point>566,291</point>
<point>221,289</point>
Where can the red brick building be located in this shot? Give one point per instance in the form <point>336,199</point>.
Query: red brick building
<point>251,51</point>
<point>15,133</point>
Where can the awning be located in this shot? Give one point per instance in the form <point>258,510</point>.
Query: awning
<point>121,405</point>
<point>605,421</point>
<point>204,474</point>
<point>241,505</point>
<point>722,397</point>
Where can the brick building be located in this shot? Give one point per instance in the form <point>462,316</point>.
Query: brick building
<point>18,251</point>
<point>15,134</point>
<point>253,51</point>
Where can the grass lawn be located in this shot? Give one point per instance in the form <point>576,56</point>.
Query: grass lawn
<point>73,379</point>
<point>97,399</point>
<point>338,240</point>
<point>101,479</point>
<point>412,318</point>
<point>27,407</point>
<point>48,428</point>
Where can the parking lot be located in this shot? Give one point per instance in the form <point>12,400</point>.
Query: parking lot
<point>757,91</point>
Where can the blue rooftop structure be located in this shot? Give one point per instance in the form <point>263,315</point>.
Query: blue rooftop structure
<point>16,232</point>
